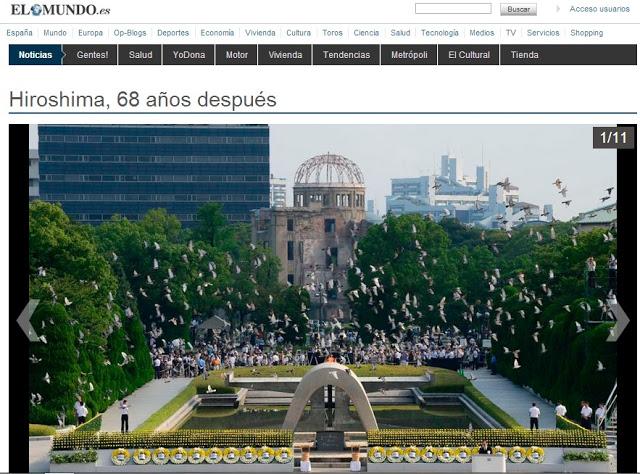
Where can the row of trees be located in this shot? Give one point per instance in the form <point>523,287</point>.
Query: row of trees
<point>105,290</point>
<point>526,289</point>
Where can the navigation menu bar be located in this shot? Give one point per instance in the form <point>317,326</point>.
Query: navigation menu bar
<point>321,54</point>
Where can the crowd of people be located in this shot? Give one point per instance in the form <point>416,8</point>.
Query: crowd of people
<point>249,347</point>
<point>227,349</point>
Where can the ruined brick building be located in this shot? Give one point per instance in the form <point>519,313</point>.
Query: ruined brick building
<point>315,238</point>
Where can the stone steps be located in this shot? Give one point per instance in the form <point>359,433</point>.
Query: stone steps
<point>329,465</point>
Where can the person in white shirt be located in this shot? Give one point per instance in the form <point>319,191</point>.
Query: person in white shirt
<point>124,416</point>
<point>585,415</point>
<point>157,366</point>
<point>81,412</point>
<point>534,415</point>
<point>600,414</point>
<point>76,409</point>
<point>561,410</point>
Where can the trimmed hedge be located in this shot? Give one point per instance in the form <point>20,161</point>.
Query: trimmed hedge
<point>464,386</point>
<point>94,424</point>
<point>172,439</point>
<point>41,430</point>
<point>496,437</point>
<point>79,457</point>
<point>563,423</point>
<point>590,456</point>
<point>491,408</point>
<point>168,409</point>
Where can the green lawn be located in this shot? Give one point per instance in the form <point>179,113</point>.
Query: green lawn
<point>41,430</point>
<point>169,409</point>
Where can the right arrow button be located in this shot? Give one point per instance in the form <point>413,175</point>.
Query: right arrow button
<point>621,322</point>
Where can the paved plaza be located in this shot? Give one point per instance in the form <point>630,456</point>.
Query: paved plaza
<point>512,398</point>
<point>144,402</point>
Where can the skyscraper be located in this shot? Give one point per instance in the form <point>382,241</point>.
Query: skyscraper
<point>278,192</point>
<point>481,179</point>
<point>96,171</point>
<point>34,175</point>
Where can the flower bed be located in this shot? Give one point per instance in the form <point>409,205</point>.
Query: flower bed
<point>496,437</point>
<point>461,454</point>
<point>79,440</point>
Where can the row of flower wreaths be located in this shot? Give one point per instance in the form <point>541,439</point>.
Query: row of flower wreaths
<point>462,454</point>
<point>246,455</point>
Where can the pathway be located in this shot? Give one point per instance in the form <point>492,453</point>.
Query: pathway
<point>144,402</point>
<point>512,398</point>
<point>39,448</point>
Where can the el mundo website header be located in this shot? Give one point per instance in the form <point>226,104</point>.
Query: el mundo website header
<point>322,33</point>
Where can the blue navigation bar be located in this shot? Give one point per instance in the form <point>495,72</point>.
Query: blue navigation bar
<point>35,54</point>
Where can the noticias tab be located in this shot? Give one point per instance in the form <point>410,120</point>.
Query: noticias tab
<point>35,55</point>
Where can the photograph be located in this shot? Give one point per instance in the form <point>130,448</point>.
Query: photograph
<point>401,297</point>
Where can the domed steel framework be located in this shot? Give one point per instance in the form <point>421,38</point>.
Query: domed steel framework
<point>328,168</point>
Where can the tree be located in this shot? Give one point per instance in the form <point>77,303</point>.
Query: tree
<point>212,225</point>
<point>525,287</point>
<point>54,369</point>
<point>81,317</point>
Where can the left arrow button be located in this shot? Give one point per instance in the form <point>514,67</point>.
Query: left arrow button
<point>24,320</point>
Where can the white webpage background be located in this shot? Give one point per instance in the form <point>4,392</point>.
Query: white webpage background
<point>599,95</point>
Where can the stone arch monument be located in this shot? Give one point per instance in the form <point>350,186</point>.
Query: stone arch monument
<point>336,375</point>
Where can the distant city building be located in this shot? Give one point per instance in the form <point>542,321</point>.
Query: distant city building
<point>96,171</point>
<point>314,239</point>
<point>605,217</point>
<point>34,175</point>
<point>471,200</point>
<point>278,192</point>
<point>373,216</point>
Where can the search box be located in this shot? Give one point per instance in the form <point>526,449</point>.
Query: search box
<point>453,8</point>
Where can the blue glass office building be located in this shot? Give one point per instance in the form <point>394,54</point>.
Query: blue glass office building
<point>96,171</point>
